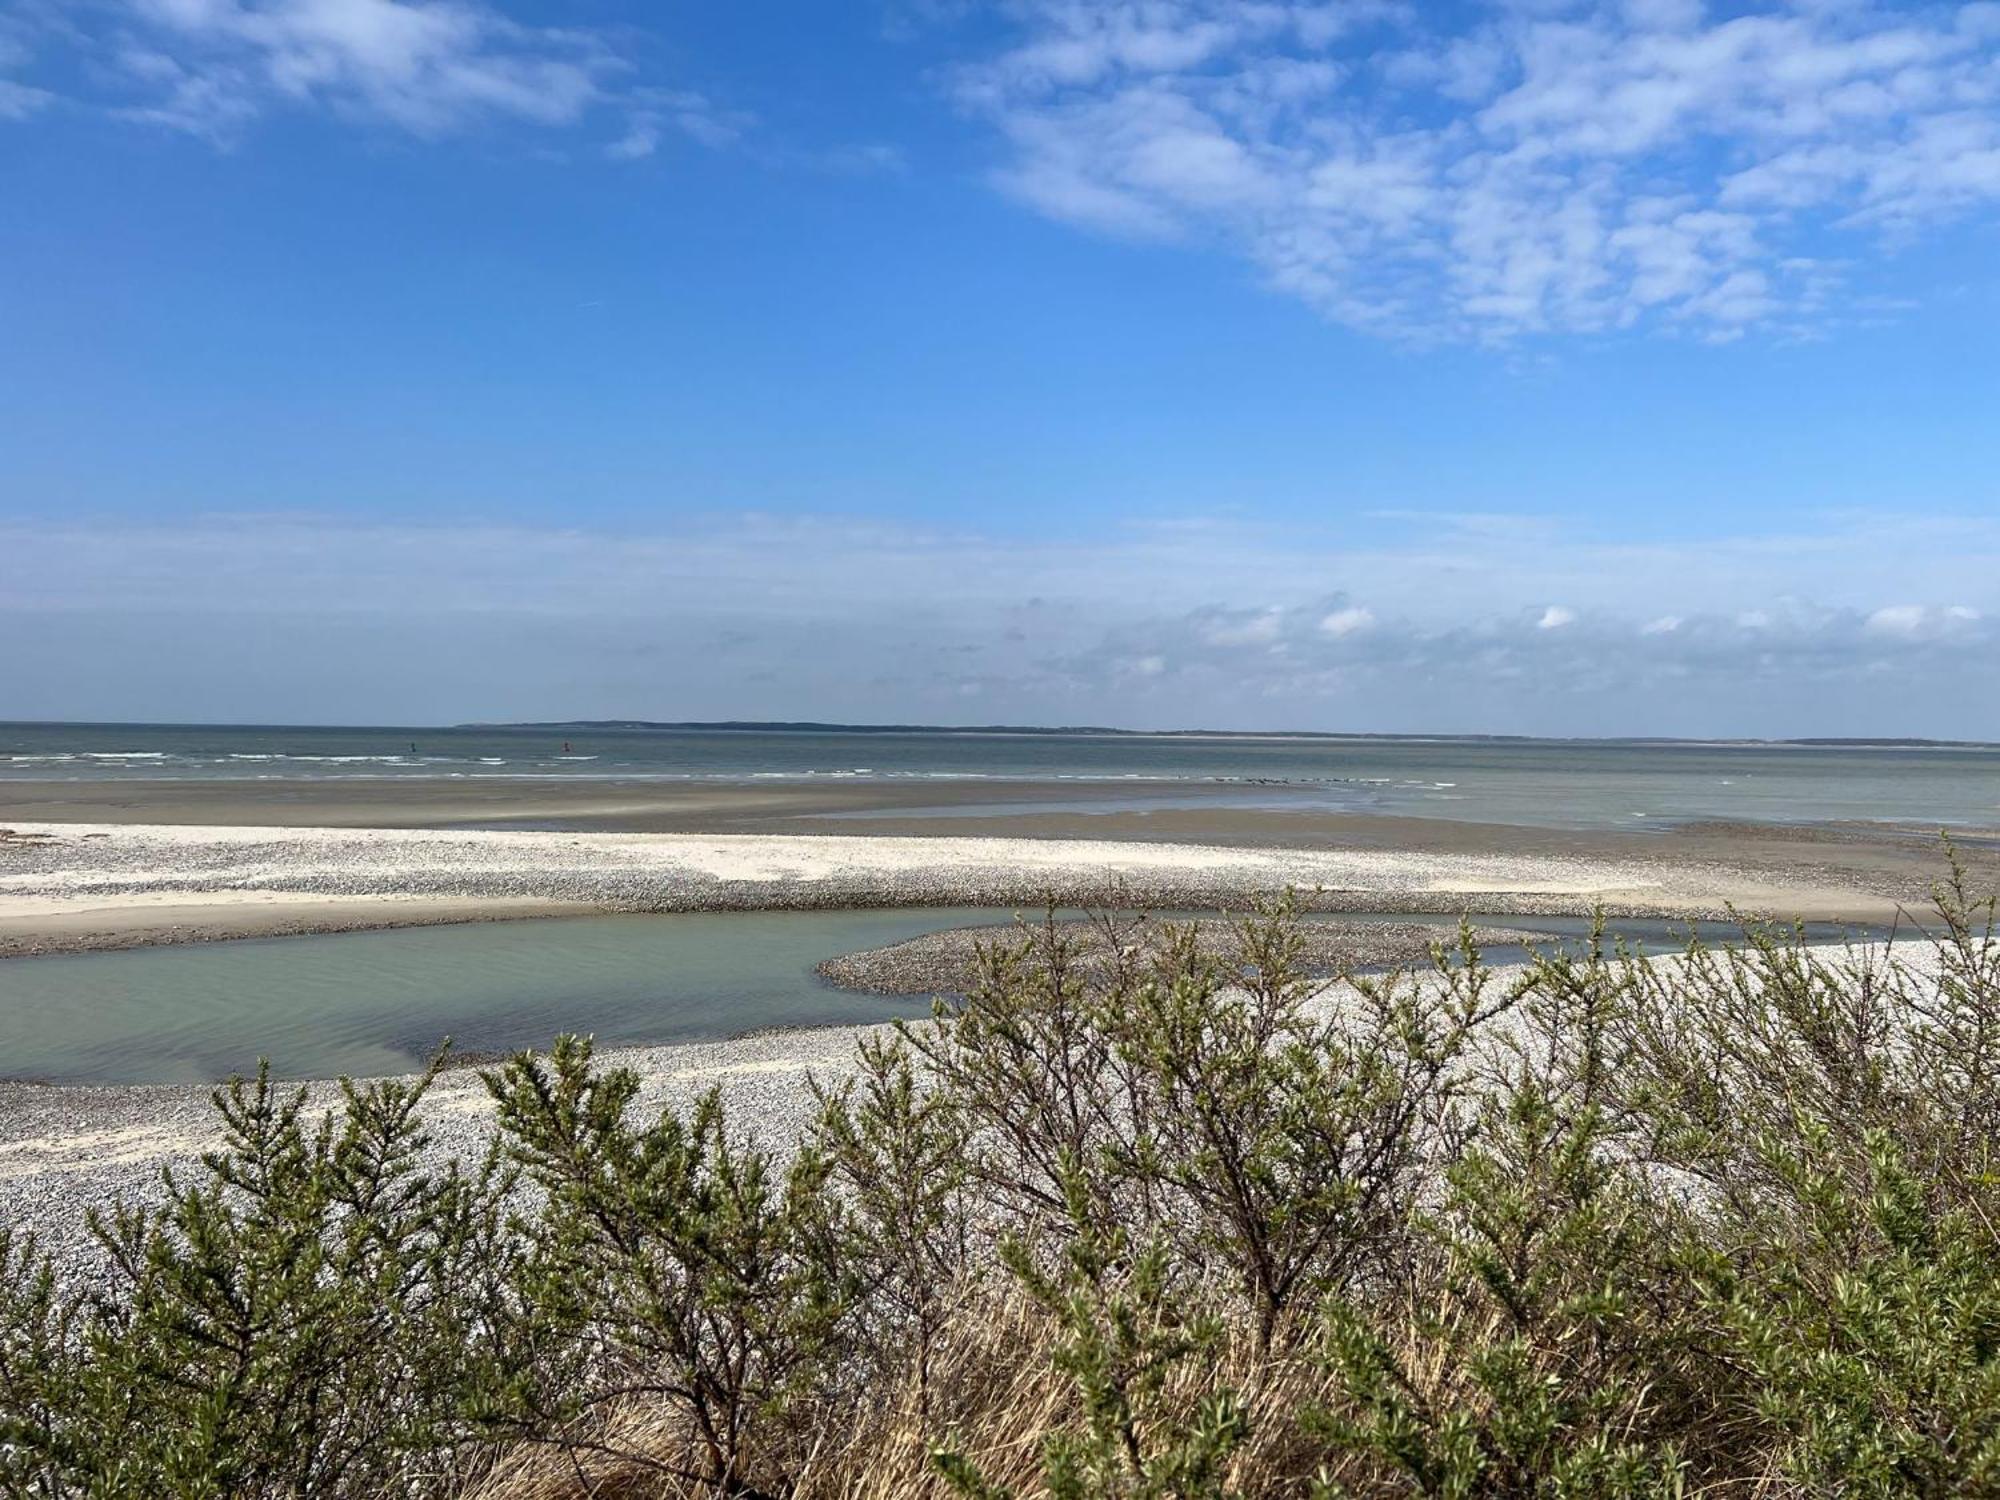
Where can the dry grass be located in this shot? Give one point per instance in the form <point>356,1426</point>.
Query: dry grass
<point>992,1370</point>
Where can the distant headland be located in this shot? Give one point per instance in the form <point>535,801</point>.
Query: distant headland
<point>814,726</point>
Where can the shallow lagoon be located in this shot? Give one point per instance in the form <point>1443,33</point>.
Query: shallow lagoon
<point>380,1002</point>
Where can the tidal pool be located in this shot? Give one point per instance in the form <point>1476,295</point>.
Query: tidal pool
<point>368,1003</point>
<point>365,1003</point>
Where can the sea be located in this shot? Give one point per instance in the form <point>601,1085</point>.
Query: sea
<point>1548,783</point>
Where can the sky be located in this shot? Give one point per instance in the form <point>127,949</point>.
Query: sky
<point>1523,367</point>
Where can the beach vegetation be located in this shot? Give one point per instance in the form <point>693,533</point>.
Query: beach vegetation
<point>1131,1219</point>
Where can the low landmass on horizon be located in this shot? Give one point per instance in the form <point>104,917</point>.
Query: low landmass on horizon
<point>807,726</point>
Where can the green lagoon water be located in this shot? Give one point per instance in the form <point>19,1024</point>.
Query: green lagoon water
<point>365,1003</point>
<point>370,1003</point>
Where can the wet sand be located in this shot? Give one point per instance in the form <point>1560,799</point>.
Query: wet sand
<point>1244,814</point>
<point>31,928</point>
<point>263,858</point>
<point>637,806</point>
<point>71,886</point>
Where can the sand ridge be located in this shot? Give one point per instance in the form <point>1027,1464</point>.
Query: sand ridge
<point>69,886</point>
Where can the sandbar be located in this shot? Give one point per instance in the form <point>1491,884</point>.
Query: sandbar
<point>114,863</point>
<point>69,886</point>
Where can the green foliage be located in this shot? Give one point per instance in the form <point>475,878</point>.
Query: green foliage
<point>39,1442</point>
<point>669,1262</point>
<point>295,1323</point>
<point>1867,1324</point>
<point>894,1153</point>
<point>1124,1332</point>
<point>1286,1139</point>
<point>1165,1087</point>
<point>1557,1318</point>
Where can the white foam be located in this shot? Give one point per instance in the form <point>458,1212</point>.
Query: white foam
<point>349,760</point>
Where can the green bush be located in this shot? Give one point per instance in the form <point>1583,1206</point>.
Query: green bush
<point>299,1320</point>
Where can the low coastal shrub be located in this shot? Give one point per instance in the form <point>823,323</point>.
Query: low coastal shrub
<point>1131,1220</point>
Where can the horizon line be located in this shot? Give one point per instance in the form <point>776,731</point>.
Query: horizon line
<point>810,726</point>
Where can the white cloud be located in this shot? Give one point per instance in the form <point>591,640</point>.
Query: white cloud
<point>1914,620</point>
<point>18,100</point>
<point>1236,628</point>
<point>640,140</point>
<point>1664,625</point>
<point>683,112</point>
<point>1555,617</point>
<point>1348,621</point>
<point>1556,168</point>
<point>1897,619</point>
<point>430,67</point>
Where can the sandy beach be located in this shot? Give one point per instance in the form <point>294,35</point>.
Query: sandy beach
<point>109,864</point>
<point>66,887</point>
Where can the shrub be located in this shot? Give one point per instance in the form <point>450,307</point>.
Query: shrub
<point>669,1263</point>
<point>298,1320</point>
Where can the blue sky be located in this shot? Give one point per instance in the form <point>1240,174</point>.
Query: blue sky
<point>1531,367</point>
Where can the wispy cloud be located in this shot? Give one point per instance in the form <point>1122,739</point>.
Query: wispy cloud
<point>655,113</point>
<point>1555,167</point>
<point>18,100</point>
<point>429,67</point>
<point>1865,625</point>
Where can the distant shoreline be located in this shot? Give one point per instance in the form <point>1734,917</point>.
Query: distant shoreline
<point>1053,731</point>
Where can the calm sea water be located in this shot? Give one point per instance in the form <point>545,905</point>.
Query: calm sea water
<point>1580,784</point>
